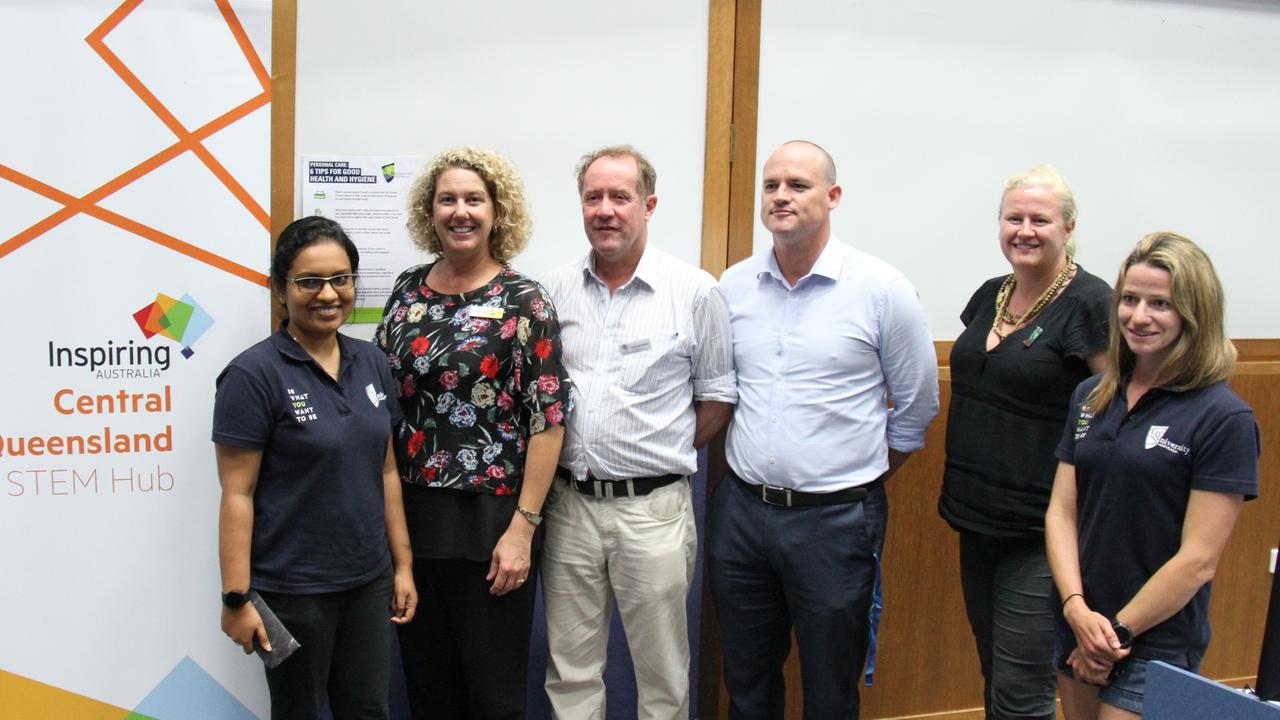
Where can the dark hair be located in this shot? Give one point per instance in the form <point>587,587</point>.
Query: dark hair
<point>301,233</point>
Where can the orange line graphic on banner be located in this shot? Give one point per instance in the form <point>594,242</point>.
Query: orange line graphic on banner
<point>187,141</point>
<point>246,47</point>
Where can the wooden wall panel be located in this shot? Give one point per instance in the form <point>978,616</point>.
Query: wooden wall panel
<point>1243,585</point>
<point>926,660</point>
<point>284,70</point>
<point>733,68</point>
<point>719,139</point>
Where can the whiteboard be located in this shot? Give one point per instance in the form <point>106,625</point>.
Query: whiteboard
<point>1160,114</point>
<point>541,83</point>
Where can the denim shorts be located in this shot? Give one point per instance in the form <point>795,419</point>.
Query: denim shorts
<point>1129,680</point>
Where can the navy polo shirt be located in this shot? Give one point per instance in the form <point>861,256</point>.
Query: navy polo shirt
<point>318,514</point>
<point>1135,471</point>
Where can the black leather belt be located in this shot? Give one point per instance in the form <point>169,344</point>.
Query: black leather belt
<point>634,487</point>
<point>786,497</point>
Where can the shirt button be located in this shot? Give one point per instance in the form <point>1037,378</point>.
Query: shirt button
<point>773,418</point>
<point>777,376</point>
<point>772,461</point>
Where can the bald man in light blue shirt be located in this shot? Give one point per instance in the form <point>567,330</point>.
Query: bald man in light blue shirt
<point>825,337</point>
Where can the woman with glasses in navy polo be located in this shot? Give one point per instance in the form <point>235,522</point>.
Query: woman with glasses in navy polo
<point>474,348</point>
<point>311,516</point>
<point>1157,458</point>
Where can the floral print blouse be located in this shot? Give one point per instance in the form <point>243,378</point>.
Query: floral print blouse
<point>477,374</point>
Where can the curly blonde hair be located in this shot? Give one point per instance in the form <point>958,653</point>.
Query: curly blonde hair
<point>511,223</point>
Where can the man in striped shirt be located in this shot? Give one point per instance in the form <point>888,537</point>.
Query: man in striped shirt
<point>646,340</point>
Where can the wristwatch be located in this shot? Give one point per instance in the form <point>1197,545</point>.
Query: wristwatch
<point>1123,633</point>
<point>534,518</point>
<point>234,600</point>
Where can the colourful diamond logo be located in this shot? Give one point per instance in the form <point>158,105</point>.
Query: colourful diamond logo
<point>182,321</point>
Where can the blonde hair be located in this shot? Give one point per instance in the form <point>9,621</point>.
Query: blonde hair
<point>511,223</point>
<point>646,175</point>
<point>1046,176</point>
<point>1203,354</point>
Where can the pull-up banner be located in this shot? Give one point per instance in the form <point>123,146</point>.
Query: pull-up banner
<point>134,173</point>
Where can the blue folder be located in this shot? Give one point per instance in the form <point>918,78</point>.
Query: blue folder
<point>1175,694</point>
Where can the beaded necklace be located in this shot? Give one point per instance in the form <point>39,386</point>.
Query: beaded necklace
<point>1003,316</point>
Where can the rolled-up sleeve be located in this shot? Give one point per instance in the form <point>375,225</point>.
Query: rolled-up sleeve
<point>910,367</point>
<point>714,378</point>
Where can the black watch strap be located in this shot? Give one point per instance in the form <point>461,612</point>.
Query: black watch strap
<point>234,600</point>
<point>1123,633</point>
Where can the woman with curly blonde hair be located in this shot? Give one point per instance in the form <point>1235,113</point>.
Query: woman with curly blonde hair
<point>474,348</point>
<point>511,224</point>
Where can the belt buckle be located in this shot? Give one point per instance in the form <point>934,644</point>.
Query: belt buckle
<point>587,487</point>
<point>782,495</point>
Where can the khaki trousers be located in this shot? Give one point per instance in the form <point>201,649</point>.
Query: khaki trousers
<point>633,553</point>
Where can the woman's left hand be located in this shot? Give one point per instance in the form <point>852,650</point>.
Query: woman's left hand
<point>404,597</point>
<point>509,569</point>
<point>1089,670</point>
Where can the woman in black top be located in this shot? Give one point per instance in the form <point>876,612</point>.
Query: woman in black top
<point>1030,337</point>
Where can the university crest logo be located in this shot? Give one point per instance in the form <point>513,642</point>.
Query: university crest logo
<point>1154,435</point>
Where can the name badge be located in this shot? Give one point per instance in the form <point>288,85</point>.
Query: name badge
<point>486,311</point>
<point>635,346</point>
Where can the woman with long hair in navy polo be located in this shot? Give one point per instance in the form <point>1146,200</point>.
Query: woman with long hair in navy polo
<point>1157,458</point>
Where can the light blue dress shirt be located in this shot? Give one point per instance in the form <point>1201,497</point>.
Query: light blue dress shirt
<point>816,364</point>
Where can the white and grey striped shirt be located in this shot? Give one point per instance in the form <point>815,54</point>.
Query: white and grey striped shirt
<point>639,359</point>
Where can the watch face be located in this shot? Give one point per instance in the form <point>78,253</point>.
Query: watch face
<point>234,600</point>
<point>1123,633</point>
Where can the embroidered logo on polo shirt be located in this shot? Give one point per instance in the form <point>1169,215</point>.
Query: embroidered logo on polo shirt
<point>1154,434</point>
<point>375,397</point>
<point>1082,423</point>
<point>303,410</point>
<point>1156,438</point>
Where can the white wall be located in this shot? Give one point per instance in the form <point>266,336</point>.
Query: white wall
<point>1161,114</point>
<point>541,83</point>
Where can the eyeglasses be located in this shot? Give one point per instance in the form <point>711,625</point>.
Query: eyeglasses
<point>316,284</point>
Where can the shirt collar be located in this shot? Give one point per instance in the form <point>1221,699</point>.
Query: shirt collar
<point>1153,394</point>
<point>290,348</point>
<point>828,265</point>
<point>646,272</point>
